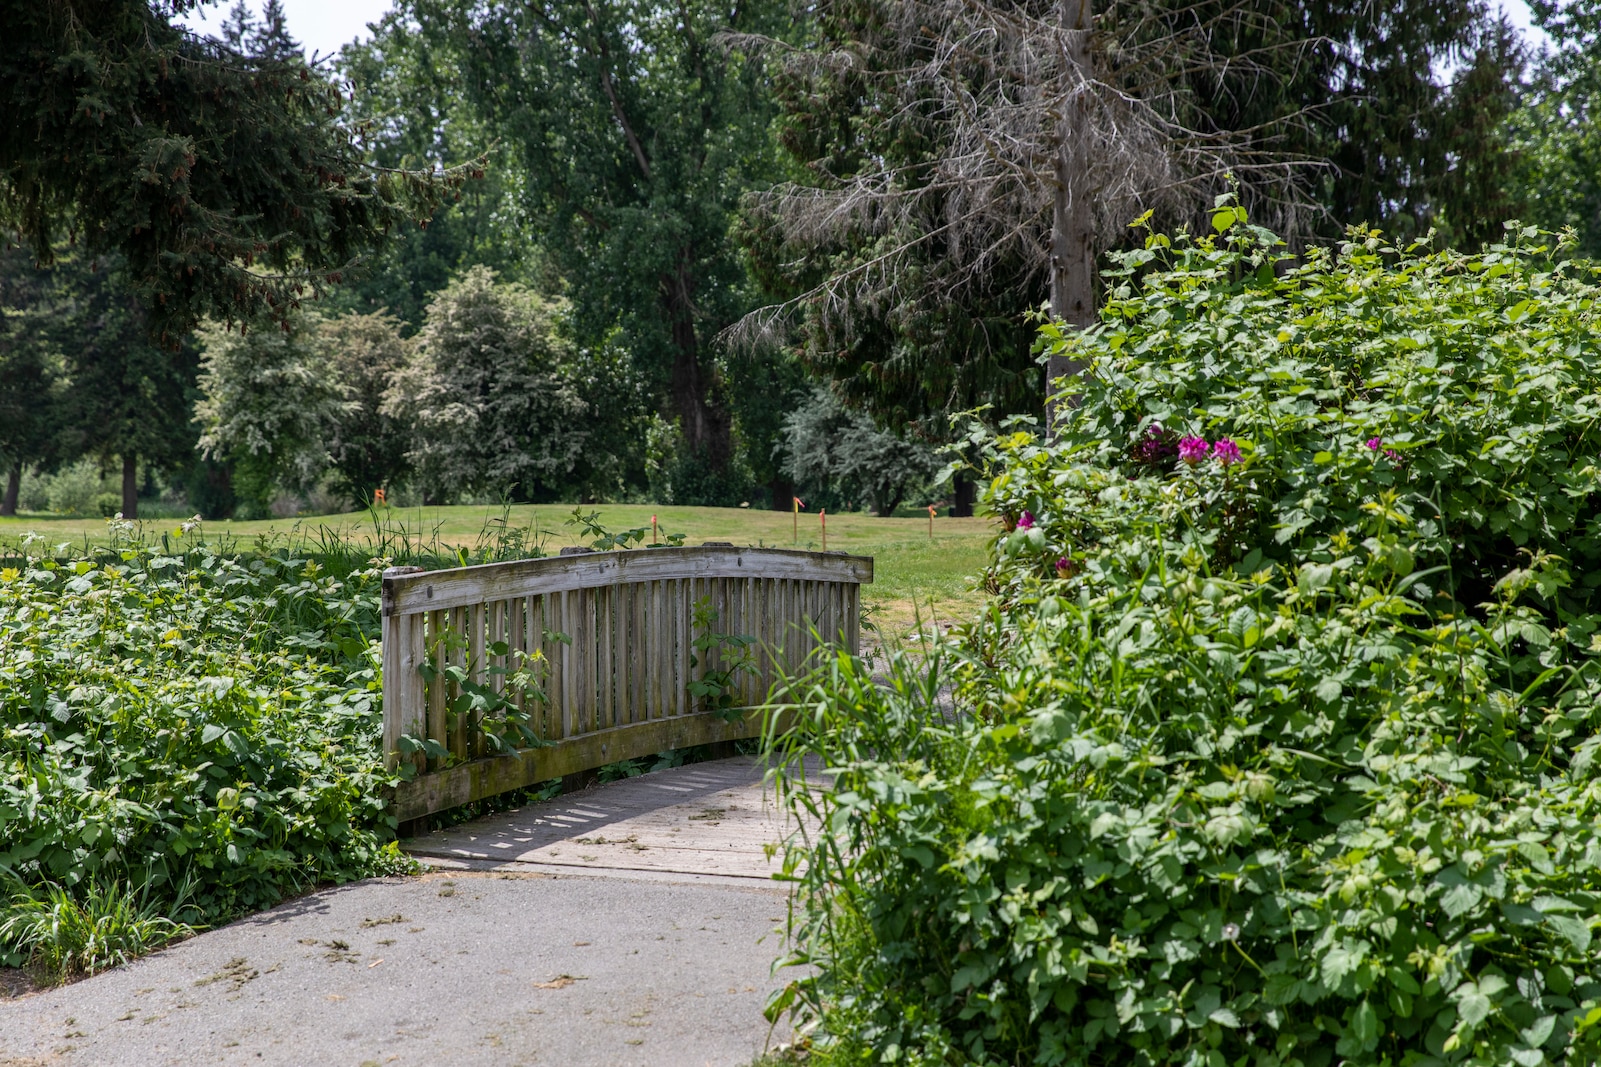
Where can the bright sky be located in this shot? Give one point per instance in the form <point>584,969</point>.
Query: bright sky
<point>321,25</point>
<point>324,25</point>
<point>1518,12</point>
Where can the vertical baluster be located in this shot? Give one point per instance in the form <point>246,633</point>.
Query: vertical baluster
<point>607,651</point>
<point>658,636</point>
<point>678,590</point>
<point>496,629</point>
<point>477,671</point>
<point>792,623</point>
<point>436,727</point>
<point>638,674</point>
<point>556,649</point>
<point>646,652</point>
<point>749,679</point>
<point>570,668</point>
<point>687,670</point>
<point>853,631</point>
<point>590,689</point>
<point>765,632</point>
<point>516,644</point>
<point>455,630</point>
<point>534,646</point>
<point>625,674</point>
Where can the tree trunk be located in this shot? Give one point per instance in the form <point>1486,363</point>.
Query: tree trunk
<point>8,506</point>
<point>1072,216</point>
<point>705,428</point>
<point>961,497</point>
<point>783,491</point>
<point>130,486</point>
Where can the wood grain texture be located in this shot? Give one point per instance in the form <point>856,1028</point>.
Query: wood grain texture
<point>612,637</point>
<point>499,581</point>
<point>480,778</point>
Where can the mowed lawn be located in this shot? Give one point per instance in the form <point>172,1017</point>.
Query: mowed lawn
<point>916,575</point>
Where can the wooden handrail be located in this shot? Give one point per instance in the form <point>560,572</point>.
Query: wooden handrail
<point>595,653</point>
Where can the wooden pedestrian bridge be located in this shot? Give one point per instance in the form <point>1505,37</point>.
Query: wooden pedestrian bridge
<point>502,676</point>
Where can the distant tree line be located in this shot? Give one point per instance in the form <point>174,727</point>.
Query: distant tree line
<point>701,254</point>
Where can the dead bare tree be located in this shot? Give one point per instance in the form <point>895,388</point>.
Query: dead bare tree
<point>1049,127</point>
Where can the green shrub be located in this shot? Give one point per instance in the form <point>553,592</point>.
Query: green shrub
<point>34,492</point>
<point>1284,761</point>
<point>72,489</point>
<point>190,720</point>
<point>1469,386</point>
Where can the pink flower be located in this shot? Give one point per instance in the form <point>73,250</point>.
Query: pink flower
<point>1064,567</point>
<point>1375,443</point>
<point>1392,455</point>
<point>1193,449</point>
<point>1025,521</point>
<point>1226,451</point>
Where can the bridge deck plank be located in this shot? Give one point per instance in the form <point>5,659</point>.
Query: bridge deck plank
<point>715,818</point>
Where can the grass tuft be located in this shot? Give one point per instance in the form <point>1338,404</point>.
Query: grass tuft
<point>65,935</point>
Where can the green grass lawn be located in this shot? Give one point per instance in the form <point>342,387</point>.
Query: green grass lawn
<point>914,573</point>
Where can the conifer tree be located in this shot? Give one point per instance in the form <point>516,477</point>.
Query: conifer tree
<point>222,177</point>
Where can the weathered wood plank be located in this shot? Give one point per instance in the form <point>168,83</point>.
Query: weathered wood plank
<point>394,718</point>
<point>688,668</point>
<point>411,685</point>
<point>556,650</point>
<point>499,581</point>
<point>584,652</point>
<point>539,717</point>
<point>655,633</point>
<point>630,633</point>
<point>487,777</point>
<point>630,668</point>
<point>437,718</point>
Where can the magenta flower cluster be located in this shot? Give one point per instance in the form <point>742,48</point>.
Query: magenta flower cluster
<point>1193,450</point>
<point>1376,443</point>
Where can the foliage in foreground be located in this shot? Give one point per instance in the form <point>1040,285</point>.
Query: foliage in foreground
<point>193,729</point>
<point>64,934</point>
<point>1277,745</point>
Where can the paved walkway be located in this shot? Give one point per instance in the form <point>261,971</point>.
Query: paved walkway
<point>633,923</point>
<point>707,819</point>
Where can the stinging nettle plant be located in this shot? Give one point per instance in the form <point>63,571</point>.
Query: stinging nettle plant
<point>1292,763</point>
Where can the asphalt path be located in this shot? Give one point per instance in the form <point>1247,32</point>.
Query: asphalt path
<point>603,967</point>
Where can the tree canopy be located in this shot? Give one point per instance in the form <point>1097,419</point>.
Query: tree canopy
<point>223,179</point>
<point>633,133</point>
<point>933,145</point>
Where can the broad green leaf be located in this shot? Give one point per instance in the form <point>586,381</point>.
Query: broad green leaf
<point>1459,899</point>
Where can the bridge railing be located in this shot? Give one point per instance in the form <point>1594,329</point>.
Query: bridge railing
<point>600,656</point>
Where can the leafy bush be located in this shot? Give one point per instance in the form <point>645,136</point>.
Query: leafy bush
<point>491,392</point>
<point>827,447</point>
<point>198,727</point>
<point>1467,386</point>
<point>73,489</point>
<point>34,492</point>
<point>1283,755</point>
